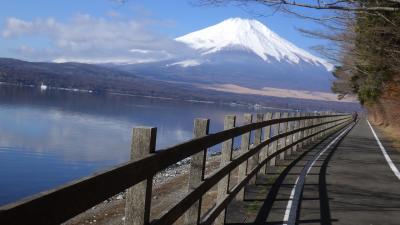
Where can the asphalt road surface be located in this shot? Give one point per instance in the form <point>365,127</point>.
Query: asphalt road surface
<point>348,178</point>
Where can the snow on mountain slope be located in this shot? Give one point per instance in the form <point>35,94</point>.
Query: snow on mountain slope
<point>186,63</point>
<point>252,36</point>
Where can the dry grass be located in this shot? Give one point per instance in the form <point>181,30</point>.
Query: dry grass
<point>393,134</point>
<point>385,114</point>
<point>277,92</point>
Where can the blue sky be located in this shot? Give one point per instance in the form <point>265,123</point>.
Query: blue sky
<point>45,29</point>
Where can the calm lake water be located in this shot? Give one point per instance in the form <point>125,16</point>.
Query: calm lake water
<point>52,137</point>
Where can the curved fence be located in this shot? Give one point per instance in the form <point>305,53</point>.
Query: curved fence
<point>275,136</point>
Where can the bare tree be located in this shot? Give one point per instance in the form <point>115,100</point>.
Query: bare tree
<point>342,5</point>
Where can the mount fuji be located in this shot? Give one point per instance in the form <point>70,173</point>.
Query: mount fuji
<point>250,35</point>
<point>241,53</point>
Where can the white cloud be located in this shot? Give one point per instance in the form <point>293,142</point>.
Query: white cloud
<point>90,39</point>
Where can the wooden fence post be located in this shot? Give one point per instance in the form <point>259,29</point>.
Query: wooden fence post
<point>317,122</point>
<point>197,169</point>
<point>226,157</point>
<point>244,147</point>
<point>321,120</point>
<point>308,130</point>
<point>282,129</point>
<point>289,138</point>
<point>318,128</point>
<point>324,120</point>
<point>296,136</point>
<point>302,125</point>
<point>330,120</point>
<point>267,134</point>
<point>273,147</point>
<point>321,135</point>
<point>138,197</point>
<point>257,140</point>
<point>311,130</point>
<point>304,132</point>
<point>315,130</point>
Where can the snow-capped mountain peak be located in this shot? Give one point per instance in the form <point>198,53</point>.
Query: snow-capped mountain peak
<point>251,35</point>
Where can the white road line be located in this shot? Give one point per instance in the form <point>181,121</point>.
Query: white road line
<point>385,154</point>
<point>295,195</point>
<point>290,202</point>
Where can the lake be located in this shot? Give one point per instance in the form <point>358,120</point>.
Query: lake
<point>48,138</point>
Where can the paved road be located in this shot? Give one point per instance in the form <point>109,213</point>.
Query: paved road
<point>345,180</point>
<point>363,189</point>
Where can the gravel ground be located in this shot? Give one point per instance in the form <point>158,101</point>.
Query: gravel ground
<point>169,186</point>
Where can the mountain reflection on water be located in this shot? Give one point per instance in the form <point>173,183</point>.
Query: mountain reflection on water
<point>48,138</point>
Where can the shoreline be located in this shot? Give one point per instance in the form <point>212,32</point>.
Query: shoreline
<point>254,106</point>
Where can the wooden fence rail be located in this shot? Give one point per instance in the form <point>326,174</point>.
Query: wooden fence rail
<point>282,135</point>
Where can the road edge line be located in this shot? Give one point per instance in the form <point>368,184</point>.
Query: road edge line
<point>384,152</point>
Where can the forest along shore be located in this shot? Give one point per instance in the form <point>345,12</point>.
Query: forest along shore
<point>169,186</point>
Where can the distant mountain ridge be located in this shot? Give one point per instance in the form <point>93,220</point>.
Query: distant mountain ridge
<point>103,80</point>
<point>74,75</point>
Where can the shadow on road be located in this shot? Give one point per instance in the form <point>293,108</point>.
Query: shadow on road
<point>264,211</point>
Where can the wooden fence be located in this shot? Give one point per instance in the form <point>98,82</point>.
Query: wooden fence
<point>275,135</point>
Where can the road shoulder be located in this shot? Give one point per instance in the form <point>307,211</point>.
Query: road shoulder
<point>362,188</point>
